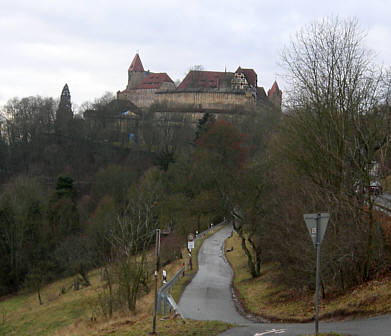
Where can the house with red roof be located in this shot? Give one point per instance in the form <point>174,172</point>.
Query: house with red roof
<point>244,79</point>
<point>197,79</point>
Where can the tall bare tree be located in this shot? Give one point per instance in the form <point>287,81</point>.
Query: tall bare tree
<point>336,128</point>
<point>131,236</point>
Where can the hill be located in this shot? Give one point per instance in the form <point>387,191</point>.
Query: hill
<point>261,296</point>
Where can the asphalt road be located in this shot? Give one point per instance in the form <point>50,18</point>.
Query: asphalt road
<point>376,326</point>
<point>384,201</point>
<point>209,297</point>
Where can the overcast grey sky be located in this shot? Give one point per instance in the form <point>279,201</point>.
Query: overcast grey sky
<point>90,44</point>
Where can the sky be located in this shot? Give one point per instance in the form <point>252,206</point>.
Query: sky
<point>90,44</point>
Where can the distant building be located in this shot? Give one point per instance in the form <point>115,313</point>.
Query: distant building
<point>199,90</point>
<point>142,85</point>
<point>275,95</point>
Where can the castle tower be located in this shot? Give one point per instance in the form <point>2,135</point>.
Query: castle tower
<point>136,73</point>
<point>275,95</point>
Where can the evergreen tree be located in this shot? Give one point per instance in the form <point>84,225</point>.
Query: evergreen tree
<point>62,213</point>
<point>64,113</point>
<point>204,124</point>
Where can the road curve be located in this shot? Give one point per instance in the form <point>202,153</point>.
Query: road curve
<point>209,295</point>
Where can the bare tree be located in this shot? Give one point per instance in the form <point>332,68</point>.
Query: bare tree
<point>336,128</point>
<point>131,237</point>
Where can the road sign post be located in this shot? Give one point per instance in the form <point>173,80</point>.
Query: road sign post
<point>190,245</point>
<point>190,242</point>
<point>317,275</point>
<point>157,252</point>
<point>317,225</point>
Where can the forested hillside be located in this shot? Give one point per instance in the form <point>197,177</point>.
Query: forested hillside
<point>76,194</point>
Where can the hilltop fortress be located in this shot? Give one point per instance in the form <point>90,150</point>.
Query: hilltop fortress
<point>220,92</point>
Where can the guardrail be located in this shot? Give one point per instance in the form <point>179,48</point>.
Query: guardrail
<point>164,298</point>
<point>203,233</point>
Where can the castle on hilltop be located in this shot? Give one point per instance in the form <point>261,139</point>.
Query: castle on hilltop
<point>200,90</point>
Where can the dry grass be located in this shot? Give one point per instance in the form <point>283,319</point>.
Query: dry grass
<point>71,314</point>
<point>26,317</point>
<point>140,324</point>
<point>263,297</point>
<point>143,324</point>
<point>386,183</point>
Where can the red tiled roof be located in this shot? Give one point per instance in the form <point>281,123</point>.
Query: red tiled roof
<point>136,65</point>
<point>250,75</point>
<point>154,81</point>
<point>274,89</point>
<point>203,79</point>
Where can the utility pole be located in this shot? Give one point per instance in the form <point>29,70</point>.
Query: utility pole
<point>157,249</point>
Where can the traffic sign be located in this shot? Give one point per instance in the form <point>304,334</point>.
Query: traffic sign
<point>311,222</point>
<point>190,237</point>
<point>190,245</point>
<point>316,225</point>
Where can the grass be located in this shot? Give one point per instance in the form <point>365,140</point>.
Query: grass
<point>70,314</point>
<point>386,183</point>
<point>263,297</point>
<point>142,327</point>
<point>24,316</point>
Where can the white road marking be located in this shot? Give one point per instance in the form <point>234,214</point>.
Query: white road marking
<point>272,331</point>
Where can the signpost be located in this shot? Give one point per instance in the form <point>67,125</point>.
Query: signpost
<point>190,241</point>
<point>316,225</point>
<point>157,252</point>
<point>190,246</point>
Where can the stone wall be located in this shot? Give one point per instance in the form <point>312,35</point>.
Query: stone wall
<point>192,117</point>
<point>205,100</point>
<point>140,97</point>
<point>217,100</point>
<point>143,97</point>
<point>135,78</point>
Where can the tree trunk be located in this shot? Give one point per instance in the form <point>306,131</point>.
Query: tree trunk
<point>258,261</point>
<point>39,295</point>
<point>250,262</point>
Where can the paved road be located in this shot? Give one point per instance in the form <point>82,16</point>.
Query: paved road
<point>209,297</point>
<point>376,326</point>
<point>384,201</point>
